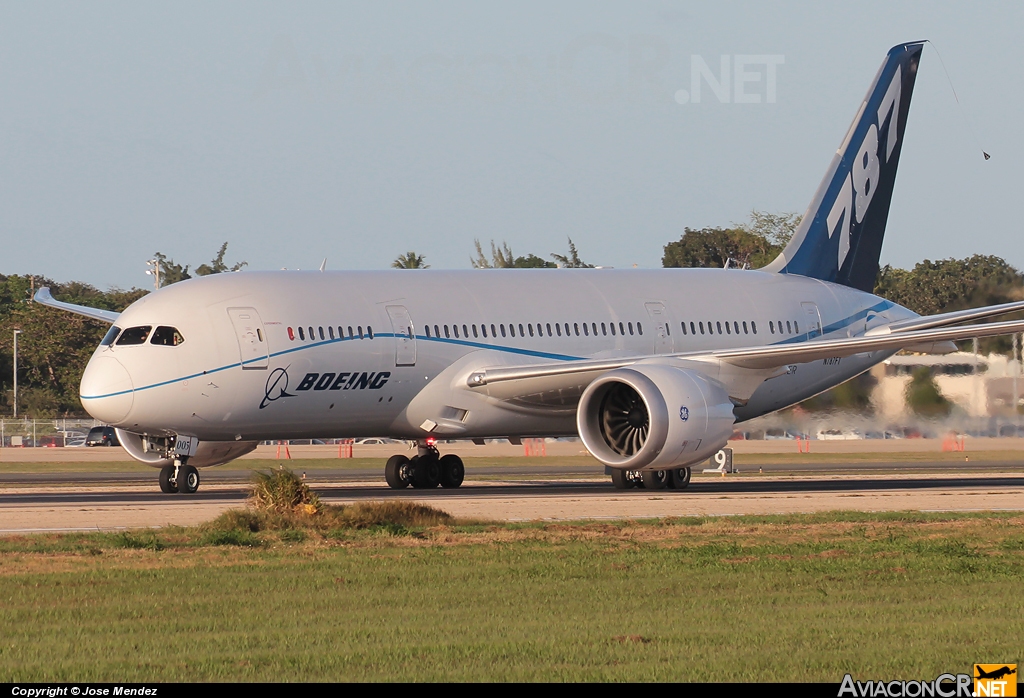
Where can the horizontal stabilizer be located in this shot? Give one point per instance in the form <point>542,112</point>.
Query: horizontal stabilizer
<point>43,297</point>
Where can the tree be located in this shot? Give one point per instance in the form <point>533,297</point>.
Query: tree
<point>713,247</point>
<point>854,395</point>
<point>571,260</point>
<point>752,244</point>
<point>217,266</point>
<point>923,395</point>
<point>503,258</point>
<point>171,273</point>
<point>950,284</point>
<point>532,261</point>
<point>954,284</point>
<point>410,260</point>
<point>54,346</point>
<point>776,228</point>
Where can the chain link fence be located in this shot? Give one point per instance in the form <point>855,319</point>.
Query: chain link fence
<point>30,433</point>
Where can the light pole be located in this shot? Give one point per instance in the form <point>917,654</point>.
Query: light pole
<point>16,333</point>
<point>154,272</point>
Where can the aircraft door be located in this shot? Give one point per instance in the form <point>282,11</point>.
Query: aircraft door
<point>659,316</point>
<point>813,320</point>
<point>252,340</point>
<point>405,336</point>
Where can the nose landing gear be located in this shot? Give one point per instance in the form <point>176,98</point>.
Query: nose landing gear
<point>426,470</point>
<point>180,477</point>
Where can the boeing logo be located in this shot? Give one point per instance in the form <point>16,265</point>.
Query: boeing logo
<point>344,381</point>
<point>277,385</point>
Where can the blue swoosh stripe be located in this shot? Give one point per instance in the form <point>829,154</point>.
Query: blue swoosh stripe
<point>846,322</point>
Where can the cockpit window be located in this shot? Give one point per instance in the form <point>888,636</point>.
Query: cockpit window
<point>167,337</point>
<point>134,335</point>
<point>110,336</point>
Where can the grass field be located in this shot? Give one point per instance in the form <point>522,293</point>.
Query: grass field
<point>743,598</point>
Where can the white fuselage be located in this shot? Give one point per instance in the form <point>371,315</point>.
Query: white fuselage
<point>244,372</point>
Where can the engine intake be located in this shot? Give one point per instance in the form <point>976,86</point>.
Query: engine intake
<point>654,416</point>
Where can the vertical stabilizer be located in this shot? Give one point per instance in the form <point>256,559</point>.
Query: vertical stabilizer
<point>840,237</point>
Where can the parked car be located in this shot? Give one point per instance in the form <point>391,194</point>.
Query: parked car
<point>839,434</point>
<point>102,436</point>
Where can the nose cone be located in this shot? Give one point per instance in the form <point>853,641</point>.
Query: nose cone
<point>107,391</point>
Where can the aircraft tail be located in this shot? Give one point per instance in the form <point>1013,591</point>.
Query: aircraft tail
<point>840,236</point>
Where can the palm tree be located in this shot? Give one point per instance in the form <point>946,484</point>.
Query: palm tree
<point>410,260</point>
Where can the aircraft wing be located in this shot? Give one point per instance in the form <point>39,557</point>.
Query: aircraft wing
<point>43,296</point>
<point>759,358</point>
<point>946,319</point>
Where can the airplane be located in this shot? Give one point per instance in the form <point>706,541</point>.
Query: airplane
<point>651,369</point>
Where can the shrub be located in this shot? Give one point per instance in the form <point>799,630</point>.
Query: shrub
<point>390,514</point>
<point>282,491</point>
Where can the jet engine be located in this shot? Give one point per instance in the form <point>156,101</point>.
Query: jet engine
<point>156,451</point>
<point>653,417</point>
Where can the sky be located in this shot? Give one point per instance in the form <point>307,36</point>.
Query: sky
<point>358,131</point>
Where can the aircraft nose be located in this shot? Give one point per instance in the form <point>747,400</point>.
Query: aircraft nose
<point>107,392</point>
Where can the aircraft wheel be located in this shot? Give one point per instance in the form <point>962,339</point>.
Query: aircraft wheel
<point>655,479</point>
<point>398,472</point>
<point>679,478</point>
<point>426,473</point>
<point>166,486</point>
<point>453,472</point>
<point>626,479</point>
<point>188,480</point>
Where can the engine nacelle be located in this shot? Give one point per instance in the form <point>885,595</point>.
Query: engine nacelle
<point>208,453</point>
<point>654,417</point>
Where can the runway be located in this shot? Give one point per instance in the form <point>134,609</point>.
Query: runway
<point>125,503</point>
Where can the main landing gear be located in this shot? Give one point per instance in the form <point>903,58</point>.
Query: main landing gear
<point>676,479</point>
<point>180,477</point>
<point>426,470</point>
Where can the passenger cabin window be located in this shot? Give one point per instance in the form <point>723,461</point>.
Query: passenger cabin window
<point>134,335</point>
<point>110,336</point>
<point>302,335</point>
<point>168,337</point>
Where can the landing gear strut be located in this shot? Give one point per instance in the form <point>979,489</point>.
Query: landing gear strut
<point>180,477</point>
<point>426,470</point>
